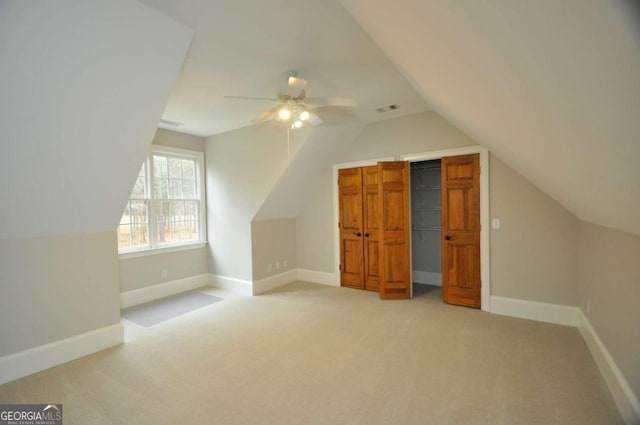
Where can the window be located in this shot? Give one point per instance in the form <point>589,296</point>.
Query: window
<point>166,206</point>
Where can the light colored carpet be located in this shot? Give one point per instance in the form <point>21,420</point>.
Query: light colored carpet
<point>311,354</point>
<point>150,314</point>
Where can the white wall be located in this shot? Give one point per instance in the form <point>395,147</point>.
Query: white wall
<point>609,279</point>
<point>534,254</point>
<point>83,87</point>
<point>409,134</point>
<point>546,269</point>
<point>249,181</point>
<point>56,287</point>
<point>314,225</point>
<point>273,242</point>
<point>550,87</point>
<point>242,168</point>
<point>321,148</point>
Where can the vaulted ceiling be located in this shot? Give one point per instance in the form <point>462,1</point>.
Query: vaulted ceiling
<point>247,47</point>
<point>553,88</point>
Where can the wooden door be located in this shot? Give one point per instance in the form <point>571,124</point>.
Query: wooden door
<point>370,210</point>
<point>394,230</point>
<point>351,228</point>
<point>461,230</point>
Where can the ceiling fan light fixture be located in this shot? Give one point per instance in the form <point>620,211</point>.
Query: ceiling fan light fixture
<point>284,114</point>
<point>304,115</point>
<point>297,124</point>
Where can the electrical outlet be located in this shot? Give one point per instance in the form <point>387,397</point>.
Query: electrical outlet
<point>285,264</point>
<point>277,265</point>
<point>164,273</point>
<point>269,268</point>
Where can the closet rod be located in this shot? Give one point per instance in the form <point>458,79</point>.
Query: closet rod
<point>427,228</point>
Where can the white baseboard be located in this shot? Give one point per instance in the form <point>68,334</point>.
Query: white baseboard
<point>246,287</point>
<point>241,286</point>
<point>161,290</point>
<point>271,282</point>
<point>626,401</point>
<point>542,312</point>
<point>426,278</point>
<point>43,357</point>
<point>314,276</point>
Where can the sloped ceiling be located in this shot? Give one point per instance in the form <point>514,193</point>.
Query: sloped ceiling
<point>551,87</point>
<point>82,89</point>
<point>319,151</point>
<point>246,47</point>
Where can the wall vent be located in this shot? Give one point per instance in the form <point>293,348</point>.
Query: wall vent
<point>388,108</point>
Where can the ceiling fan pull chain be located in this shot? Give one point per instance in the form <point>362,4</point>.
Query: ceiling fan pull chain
<point>288,150</point>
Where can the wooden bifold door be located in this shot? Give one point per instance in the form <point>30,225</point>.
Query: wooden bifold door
<point>358,227</point>
<point>461,230</point>
<point>374,229</point>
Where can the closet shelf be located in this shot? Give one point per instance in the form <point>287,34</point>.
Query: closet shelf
<point>426,188</point>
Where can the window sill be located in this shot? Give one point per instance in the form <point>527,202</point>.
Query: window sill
<point>159,251</point>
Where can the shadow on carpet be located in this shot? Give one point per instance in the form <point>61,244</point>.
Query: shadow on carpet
<point>159,311</point>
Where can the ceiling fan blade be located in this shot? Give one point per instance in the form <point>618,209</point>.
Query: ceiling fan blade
<point>267,115</point>
<point>271,99</point>
<point>314,120</point>
<point>335,115</point>
<point>330,101</point>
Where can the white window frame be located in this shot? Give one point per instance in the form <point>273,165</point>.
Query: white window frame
<point>154,247</point>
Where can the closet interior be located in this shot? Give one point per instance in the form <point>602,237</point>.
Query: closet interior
<point>426,222</point>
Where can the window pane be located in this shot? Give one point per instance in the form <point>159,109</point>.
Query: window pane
<point>139,235</point>
<point>175,189</point>
<point>175,168</point>
<point>188,189</point>
<point>190,210</point>
<point>126,215</point>
<point>138,189</point>
<point>162,219</point>
<point>177,231</point>
<point>124,232</point>
<point>161,188</point>
<point>191,230</point>
<point>160,166</point>
<point>177,210</point>
<point>138,211</point>
<point>188,169</point>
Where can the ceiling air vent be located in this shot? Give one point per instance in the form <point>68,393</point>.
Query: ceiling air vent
<point>388,108</point>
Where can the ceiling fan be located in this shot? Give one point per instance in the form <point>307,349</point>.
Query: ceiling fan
<point>294,107</point>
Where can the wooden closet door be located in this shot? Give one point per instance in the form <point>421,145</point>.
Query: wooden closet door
<point>351,228</point>
<point>394,230</point>
<point>461,230</point>
<point>371,247</point>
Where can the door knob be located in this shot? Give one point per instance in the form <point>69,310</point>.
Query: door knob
<point>448,237</point>
<point>366,235</point>
<point>358,234</point>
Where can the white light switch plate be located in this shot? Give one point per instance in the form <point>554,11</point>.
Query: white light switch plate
<point>495,223</point>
